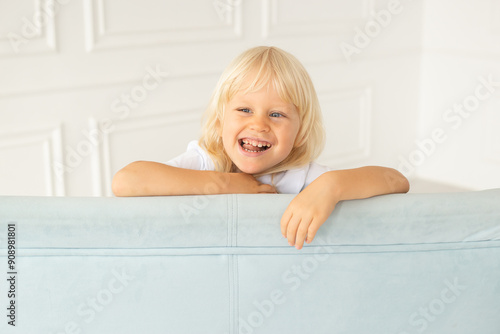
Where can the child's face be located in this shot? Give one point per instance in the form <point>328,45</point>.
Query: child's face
<point>259,118</point>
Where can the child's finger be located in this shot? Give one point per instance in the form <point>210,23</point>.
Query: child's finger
<point>285,219</point>
<point>302,232</point>
<point>291,230</point>
<point>311,232</point>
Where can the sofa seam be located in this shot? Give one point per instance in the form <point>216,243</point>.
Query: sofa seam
<point>235,268</point>
<point>232,216</point>
<point>236,220</point>
<point>228,218</point>
<point>237,296</point>
<point>230,318</point>
<point>234,259</point>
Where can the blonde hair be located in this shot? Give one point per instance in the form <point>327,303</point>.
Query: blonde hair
<point>293,84</point>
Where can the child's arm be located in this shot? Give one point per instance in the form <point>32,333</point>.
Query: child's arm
<point>313,205</point>
<point>147,178</point>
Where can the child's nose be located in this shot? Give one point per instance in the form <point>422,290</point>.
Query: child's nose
<point>259,123</point>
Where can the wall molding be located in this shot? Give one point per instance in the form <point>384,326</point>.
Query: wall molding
<point>495,17</point>
<point>101,157</point>
<point>99,37</point>
<point>99,86</point>
<point>33,36</point>
<point>491,138</point>
<point>49,141</point>
<point>273,28</point>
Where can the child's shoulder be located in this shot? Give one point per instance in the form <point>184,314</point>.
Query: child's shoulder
<point>195,157</point>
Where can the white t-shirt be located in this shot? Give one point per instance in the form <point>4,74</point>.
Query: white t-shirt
<point>291,181</point>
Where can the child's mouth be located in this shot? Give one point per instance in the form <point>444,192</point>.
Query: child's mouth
<point>254,146</point>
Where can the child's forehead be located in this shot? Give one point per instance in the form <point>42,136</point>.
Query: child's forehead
<point>262,94</point>
<point>255,80</point>
<point>253,85</point>
<point>248,88</point>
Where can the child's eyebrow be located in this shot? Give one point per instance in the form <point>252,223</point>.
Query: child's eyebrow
<point>283,106</point>
<point>287,106</point>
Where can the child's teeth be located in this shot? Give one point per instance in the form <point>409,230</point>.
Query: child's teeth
<point>255,143</point>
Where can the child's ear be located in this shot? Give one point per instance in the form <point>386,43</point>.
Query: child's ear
<point>218,128</point>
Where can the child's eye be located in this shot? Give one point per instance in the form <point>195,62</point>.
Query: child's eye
<point>245,110</point>
<point>276,114</point>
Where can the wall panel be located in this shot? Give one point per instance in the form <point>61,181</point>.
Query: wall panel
<point>106,48</point>
<point>29,160</point>
<point>281,19</point>
<point>27,26</point>
<point>109,24</point>
<point>158,137</point>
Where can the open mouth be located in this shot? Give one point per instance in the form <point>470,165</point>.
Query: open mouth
<point>254,146</point>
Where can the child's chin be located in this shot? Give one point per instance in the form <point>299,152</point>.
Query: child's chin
<point>250,170</point>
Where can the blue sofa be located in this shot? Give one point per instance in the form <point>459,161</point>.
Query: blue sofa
<point>394,264</point>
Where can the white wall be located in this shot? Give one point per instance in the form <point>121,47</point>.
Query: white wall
<point>74,76</point>
<point>461,45</point>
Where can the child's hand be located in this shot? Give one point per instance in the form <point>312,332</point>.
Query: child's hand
<point>307,212</point>
<point>242,183</point>
<point>310,208</point>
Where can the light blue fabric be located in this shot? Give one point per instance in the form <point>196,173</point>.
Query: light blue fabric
<point>402,264</point>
